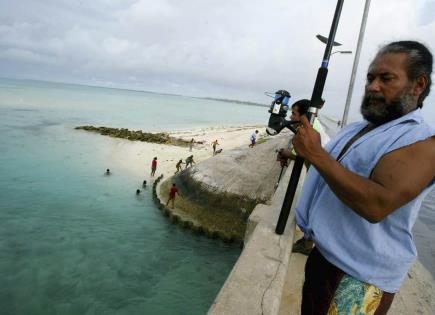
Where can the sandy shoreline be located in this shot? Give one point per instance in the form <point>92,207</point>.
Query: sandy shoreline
<point>135,156</point>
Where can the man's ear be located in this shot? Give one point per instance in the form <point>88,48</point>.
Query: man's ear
<point>420,85</point>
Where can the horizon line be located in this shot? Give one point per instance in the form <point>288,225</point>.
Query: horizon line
<point>143,91</point>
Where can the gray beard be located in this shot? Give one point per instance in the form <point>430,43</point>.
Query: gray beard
<point>382,112</point>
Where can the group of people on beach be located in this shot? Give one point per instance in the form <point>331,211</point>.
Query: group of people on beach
<point>189,162</point>
<point>173,192</point>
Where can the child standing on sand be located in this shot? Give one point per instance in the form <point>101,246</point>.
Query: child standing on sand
<point>153,166</point>
<point>178,166</point>
<point>253,139</point>
<point>214,144</point>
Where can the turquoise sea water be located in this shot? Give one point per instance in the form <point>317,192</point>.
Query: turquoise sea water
<point>74,241</point>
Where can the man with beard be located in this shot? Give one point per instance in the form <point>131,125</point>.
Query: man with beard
<point>363,192</point>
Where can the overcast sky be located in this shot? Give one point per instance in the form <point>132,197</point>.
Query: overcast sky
<point>218,48</point>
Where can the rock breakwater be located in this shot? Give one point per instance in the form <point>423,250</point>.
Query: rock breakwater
<point>133,135</point>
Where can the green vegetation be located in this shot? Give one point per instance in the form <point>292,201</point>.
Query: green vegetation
<point>261,140</point>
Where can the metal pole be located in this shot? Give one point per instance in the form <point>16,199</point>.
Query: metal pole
<point>315,102</point>
<point>355,63</point>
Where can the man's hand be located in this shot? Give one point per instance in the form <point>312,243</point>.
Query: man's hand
<point>307,141</point>
<point>283,154</point>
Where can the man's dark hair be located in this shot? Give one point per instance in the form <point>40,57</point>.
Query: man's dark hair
<point>303,106</point>
<point>420,62</point>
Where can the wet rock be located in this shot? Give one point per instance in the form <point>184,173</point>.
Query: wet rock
<point>139,135</point>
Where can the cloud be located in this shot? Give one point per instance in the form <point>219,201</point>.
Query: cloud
<point>213,48</point>
<point>427,13</point>
<point>24,56</point>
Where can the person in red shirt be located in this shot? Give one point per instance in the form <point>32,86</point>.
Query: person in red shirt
<point>153,166</point>
<point>172,194</point>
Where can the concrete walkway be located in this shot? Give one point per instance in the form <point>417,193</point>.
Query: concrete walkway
<point>292,289</point>
<point>416,296</point>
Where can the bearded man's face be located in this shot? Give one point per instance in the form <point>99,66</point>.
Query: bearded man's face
<point>389,93</point>
<point>377,110</point>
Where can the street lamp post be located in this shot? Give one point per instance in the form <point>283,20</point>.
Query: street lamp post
<point>355,63</point>
<point>324,40</point>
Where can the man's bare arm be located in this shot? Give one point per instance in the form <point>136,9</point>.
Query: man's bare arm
<point>397,178</point>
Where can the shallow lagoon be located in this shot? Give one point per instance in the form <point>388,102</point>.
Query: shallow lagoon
<point>75,241</point>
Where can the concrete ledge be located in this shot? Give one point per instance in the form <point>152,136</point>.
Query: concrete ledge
<point>256,282</point>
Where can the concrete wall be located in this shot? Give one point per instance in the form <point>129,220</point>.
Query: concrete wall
<point>267,279</point>
<point>256,282</point>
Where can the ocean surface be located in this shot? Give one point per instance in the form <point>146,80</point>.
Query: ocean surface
<point>74,241</point>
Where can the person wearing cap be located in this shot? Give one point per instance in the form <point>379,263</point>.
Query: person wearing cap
<point>300,108</point>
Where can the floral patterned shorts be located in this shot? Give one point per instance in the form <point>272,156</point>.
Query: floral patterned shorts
<point>329,291</point>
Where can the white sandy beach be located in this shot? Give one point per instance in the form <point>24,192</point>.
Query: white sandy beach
<point>136,157</point>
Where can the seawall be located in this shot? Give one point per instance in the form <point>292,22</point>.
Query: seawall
<point>255,285</point>
<point>268,277</point>
<point>219,194</point>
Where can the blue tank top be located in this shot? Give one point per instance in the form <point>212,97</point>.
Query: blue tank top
<point>380,253</point>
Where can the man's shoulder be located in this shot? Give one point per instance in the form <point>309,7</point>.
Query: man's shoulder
<point>423,149</point>
<point>411,132</point>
